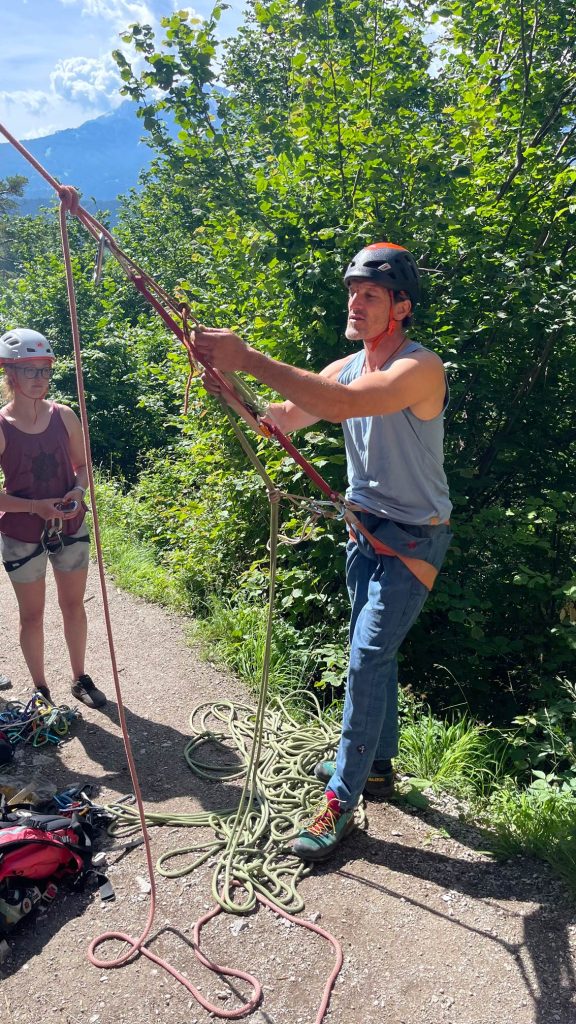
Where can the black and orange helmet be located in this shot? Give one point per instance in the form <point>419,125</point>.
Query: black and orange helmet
<point>389,265</point>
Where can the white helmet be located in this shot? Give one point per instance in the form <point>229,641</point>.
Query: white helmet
<point>24,344</point>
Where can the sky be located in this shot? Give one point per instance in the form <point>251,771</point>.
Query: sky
<point>56,68</point>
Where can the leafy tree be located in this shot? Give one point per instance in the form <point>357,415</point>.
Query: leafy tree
<point>10,188</point>
<point>128,416</point>
<point>321,125</point>
<point>452,130</point>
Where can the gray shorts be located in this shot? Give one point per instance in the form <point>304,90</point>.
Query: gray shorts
<point>70,558</point>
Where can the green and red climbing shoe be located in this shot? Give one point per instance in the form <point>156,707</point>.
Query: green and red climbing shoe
<point>326,830</point>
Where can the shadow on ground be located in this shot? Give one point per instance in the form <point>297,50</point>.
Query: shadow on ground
<point>545,945</point>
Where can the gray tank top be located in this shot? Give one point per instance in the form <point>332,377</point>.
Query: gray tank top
<point>396,462</point>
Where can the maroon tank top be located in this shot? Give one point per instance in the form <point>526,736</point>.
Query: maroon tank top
<point>36,466</point>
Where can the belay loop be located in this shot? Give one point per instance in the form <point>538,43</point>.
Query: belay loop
<point>51,539</point>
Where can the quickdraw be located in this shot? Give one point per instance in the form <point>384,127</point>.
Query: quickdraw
<point>38,722</point>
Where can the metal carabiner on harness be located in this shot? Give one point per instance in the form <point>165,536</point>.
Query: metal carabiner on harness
<point>51,538</point>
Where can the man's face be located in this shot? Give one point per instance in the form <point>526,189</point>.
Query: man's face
<point>368,309</point>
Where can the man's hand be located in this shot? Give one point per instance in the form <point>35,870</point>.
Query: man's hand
<point>211,385</point>
<point>222,349</point>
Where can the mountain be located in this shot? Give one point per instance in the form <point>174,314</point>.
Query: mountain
<point>102,158</point>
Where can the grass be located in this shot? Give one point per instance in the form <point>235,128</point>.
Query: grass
<point>133,565</point>
<point>135,568</point>
<point>452,756</point>
<point>538,822</point>
<point>235,633</point>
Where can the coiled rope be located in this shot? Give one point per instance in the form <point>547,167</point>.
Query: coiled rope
<point>278,799</point>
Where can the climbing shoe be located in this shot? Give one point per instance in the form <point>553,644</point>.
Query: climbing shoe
<point>86,691</point>
<point>379,784</point>
<point>324,771</point>
<point>326,830</point>
<point>42,689</point>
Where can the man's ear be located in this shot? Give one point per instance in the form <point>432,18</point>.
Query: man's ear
<point>402,308</point>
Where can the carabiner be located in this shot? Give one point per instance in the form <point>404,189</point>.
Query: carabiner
<point>51,539</point>
<point>99,260</point>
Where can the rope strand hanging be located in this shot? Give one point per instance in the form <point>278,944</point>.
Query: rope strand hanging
<point>176,318</point>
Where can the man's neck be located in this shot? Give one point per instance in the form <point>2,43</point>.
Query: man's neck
<point>377,356</point>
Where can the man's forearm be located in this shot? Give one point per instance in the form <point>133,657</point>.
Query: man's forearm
<point>317,396</point>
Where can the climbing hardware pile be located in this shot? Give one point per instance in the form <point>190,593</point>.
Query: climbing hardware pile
<point>38,722</point>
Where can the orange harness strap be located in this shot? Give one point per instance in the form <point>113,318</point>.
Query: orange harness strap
<point>424,572</point>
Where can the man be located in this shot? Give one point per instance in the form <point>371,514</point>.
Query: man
<point>390,398</point>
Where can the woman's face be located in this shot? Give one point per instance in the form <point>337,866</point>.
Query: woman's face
<point>31,377</point>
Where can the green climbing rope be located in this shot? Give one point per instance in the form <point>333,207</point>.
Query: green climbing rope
<point>250,842</point>
<point>273,748</point>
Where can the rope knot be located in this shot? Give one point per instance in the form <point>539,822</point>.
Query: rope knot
<point>69,198</point>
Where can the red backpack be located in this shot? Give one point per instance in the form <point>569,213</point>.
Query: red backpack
<point>36,849</point>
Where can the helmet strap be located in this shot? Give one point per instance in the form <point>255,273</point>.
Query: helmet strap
<point>389,331</point>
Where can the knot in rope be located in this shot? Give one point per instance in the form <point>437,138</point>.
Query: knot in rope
<point>69,198</point>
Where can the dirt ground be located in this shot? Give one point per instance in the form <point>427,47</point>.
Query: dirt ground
<point>433,930</point>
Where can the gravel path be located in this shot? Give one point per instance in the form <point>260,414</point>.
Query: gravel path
<point>433,931</point>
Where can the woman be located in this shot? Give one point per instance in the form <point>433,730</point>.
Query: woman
<point>41,507</point>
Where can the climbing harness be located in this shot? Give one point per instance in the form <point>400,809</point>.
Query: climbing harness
<point>51,542</point>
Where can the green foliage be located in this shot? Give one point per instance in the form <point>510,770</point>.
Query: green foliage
<point>343,122</point>
<point>542,743</point>
<point>322,125</point>
<point>538,821</point>
<point>133,565</point>
<point>235,636</point>
<point>452,756</point>
<point>123,361</point>
<point>11,188</point>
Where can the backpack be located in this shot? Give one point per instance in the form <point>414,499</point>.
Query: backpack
<point>35,849</point>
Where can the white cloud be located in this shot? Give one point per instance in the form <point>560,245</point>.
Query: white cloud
<point>32,100</point>
<point>190,11</point>
<point>119,12</point>
<point>90,81</point>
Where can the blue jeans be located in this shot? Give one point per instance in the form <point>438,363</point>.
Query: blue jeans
<point>386,600</point>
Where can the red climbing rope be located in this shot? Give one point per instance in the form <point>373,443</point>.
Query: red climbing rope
<point>70,204</point>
